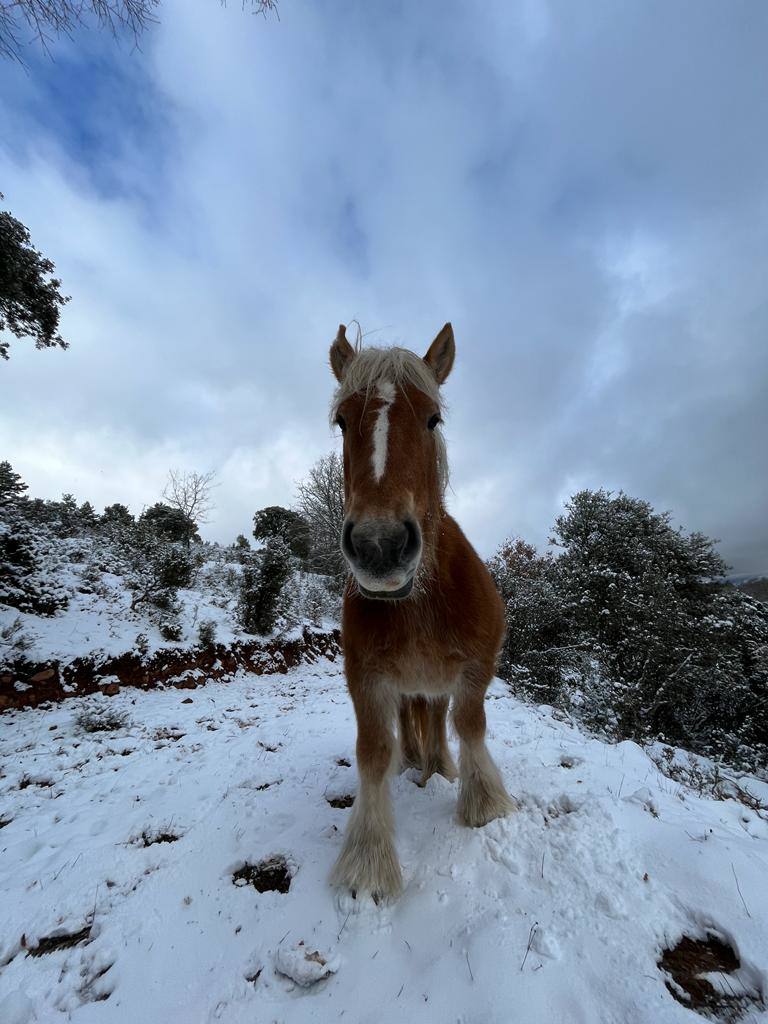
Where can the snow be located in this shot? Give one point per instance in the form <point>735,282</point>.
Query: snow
<point>557,913</point>
<point>100,623</point>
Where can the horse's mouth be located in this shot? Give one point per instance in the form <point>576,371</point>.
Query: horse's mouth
<point>387,595</point>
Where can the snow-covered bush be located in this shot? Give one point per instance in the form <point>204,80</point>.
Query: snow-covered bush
<point>31,566</point>
<point>206,633</point>
<point>633,628</point>
<point>261,587</point>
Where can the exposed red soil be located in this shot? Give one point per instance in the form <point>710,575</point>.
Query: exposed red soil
<point>185,669</point>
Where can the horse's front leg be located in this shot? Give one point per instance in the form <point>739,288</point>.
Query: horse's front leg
<point>368,861</point>
<point>482,796</point>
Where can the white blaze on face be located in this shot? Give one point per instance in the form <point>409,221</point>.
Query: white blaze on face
<point>386,392</point>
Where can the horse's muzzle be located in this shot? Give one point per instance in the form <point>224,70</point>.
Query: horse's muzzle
<point>383,555</point>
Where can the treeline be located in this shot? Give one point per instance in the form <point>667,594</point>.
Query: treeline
<point>630,625</point>
<point>293,575</point>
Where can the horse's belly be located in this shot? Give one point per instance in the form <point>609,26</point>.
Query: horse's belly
<point>426,676</point>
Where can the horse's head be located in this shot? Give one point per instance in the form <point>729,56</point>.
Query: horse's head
<point>388,407</point>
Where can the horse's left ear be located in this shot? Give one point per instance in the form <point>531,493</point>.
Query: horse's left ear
<point>441,354</point>
<point>342,354</point>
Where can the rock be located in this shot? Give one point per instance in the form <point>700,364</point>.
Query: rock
<point>187,700</point>
<point>305,966</point>
<point>40,677</point>
<point>185,684</point>
<point>5,702</point>
<point>6,677</point>
<point>111,689</point>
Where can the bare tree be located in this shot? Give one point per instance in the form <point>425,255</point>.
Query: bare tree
<point>320,500</point>
<point>25,21</point>
<point>190,493</point>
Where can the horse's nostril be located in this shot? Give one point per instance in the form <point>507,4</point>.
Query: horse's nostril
<point>412,539</point>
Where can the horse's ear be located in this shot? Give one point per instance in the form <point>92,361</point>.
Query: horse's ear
<point>441,354</point>
<point>342,354</point>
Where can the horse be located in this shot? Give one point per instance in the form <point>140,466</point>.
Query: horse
<point>422,622</point>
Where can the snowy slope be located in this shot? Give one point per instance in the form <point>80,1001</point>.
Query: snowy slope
<point>606,862</point>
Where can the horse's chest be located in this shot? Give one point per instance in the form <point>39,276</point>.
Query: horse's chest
<point>423,668</point>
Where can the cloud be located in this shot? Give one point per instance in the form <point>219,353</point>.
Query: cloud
<point>581,191</point>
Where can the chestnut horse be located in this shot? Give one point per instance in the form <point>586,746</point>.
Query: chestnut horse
<point>422,622</point>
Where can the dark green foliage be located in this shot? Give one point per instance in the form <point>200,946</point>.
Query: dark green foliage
<point>261,586</point>
<point>87,514</point>
<point>538,645</point>
<point>12,487</point>
<point>633,628</point>
<point>170,630</point>
<point>175,567</point>
<point>116,516</point>
<point>276,521</point>
<point>30,300</point>
<point>30,569</point>
<point>206,633</point>
<point>168,523</point>
<point>156,567</point>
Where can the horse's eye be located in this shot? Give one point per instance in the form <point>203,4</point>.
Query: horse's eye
<point>433,421</point>
<point>342,423</point>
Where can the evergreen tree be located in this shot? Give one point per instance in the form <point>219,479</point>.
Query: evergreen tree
<point>12,487</point>
<point>169,523</point>
<point>30,300</point>
<point>261,587</point>
<point>275,521</point>
<point>117,515</point>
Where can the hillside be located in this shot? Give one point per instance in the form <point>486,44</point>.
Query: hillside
<point>130,861</point>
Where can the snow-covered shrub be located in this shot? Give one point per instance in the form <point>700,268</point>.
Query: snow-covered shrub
<point>633,628</point>
<point>206,633</point>
<point>15,641</point>
<point>141,644</point>
<point>261,587</point>
<point>100,717</point>
<point>31,568</point>
<point>310,598</point>
<point>170,630</point>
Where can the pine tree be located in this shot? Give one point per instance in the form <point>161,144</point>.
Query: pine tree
<point>261,587</point>
<point>12,487</point>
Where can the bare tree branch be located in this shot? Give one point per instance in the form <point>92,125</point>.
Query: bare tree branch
<point>190,493</point>
<point>28,21</point>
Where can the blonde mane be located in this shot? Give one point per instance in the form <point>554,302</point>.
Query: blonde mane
<point>373,367</point>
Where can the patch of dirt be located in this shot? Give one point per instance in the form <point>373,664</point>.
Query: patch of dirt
<point>270,875</point>
<point>267,785</point>
<point>342,762</point>
<point>341,801</point>
<point>149,838</point>
<point>168,734</point>
<point>28,780</point>
<point>688,963</point>
<point>67,940</point>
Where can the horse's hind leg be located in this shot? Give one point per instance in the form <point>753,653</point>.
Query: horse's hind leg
<point>368,860</point>
<point>482,796</point>
<point>437,755</point>
<point>412,715</point>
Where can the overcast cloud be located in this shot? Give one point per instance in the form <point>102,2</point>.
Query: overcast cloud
<point>581,188</point>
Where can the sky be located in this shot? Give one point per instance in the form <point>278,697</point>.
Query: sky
<point>581,189</point>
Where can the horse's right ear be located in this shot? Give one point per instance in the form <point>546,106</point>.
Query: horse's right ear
<point>342,354</point>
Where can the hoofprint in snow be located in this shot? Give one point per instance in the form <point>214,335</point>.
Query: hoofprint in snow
<point>130,840</point>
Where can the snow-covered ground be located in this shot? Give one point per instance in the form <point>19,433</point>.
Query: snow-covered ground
<point>99,621</point>
<point>556,914</point>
